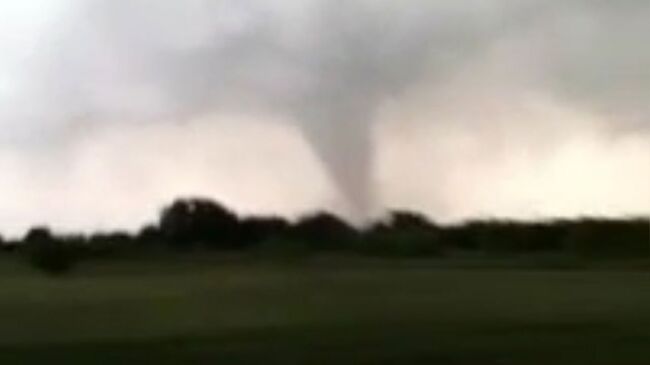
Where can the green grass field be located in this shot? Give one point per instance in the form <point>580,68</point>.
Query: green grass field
<point>203,311</point>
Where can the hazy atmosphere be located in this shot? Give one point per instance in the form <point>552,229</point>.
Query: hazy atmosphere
<point>529,108</point>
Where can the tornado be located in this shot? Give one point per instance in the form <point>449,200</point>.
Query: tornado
<point>475,80</point>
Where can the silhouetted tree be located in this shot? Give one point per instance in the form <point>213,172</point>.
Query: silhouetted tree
<point>255,230</point>
<point>38,235</point>
<point>324,231</point>
<point>149,235</point>
<point>105,244</point>
<point>48,253</point>
<point>609,238</point>
<point>188,222</point>
<point>403,234</point>
<point>401,219</point>
<point>586,237</point>
<point>10,246</point>
<point>544,236</point>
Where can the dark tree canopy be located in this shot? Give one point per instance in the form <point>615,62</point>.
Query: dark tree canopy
<point>255,230</point>
<point>49,253</point>
<point>188,222</point>
<point>202,223</point>
<point>149,235</point>
<point>402,219</point>
<point>324,230</point>
<point>38,235</point>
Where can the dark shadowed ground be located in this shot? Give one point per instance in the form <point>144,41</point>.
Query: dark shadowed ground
<point>212,310</point>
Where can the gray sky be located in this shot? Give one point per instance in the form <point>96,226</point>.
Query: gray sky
<point>470,108</point>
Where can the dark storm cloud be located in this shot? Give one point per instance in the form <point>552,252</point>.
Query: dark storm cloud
<point>327,66</point>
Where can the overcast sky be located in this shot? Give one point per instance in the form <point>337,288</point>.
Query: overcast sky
<point>109,109</point>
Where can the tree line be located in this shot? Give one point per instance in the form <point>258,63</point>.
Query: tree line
<point>193,224</point>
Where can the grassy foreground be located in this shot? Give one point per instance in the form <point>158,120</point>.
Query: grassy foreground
<point>329,312</point>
